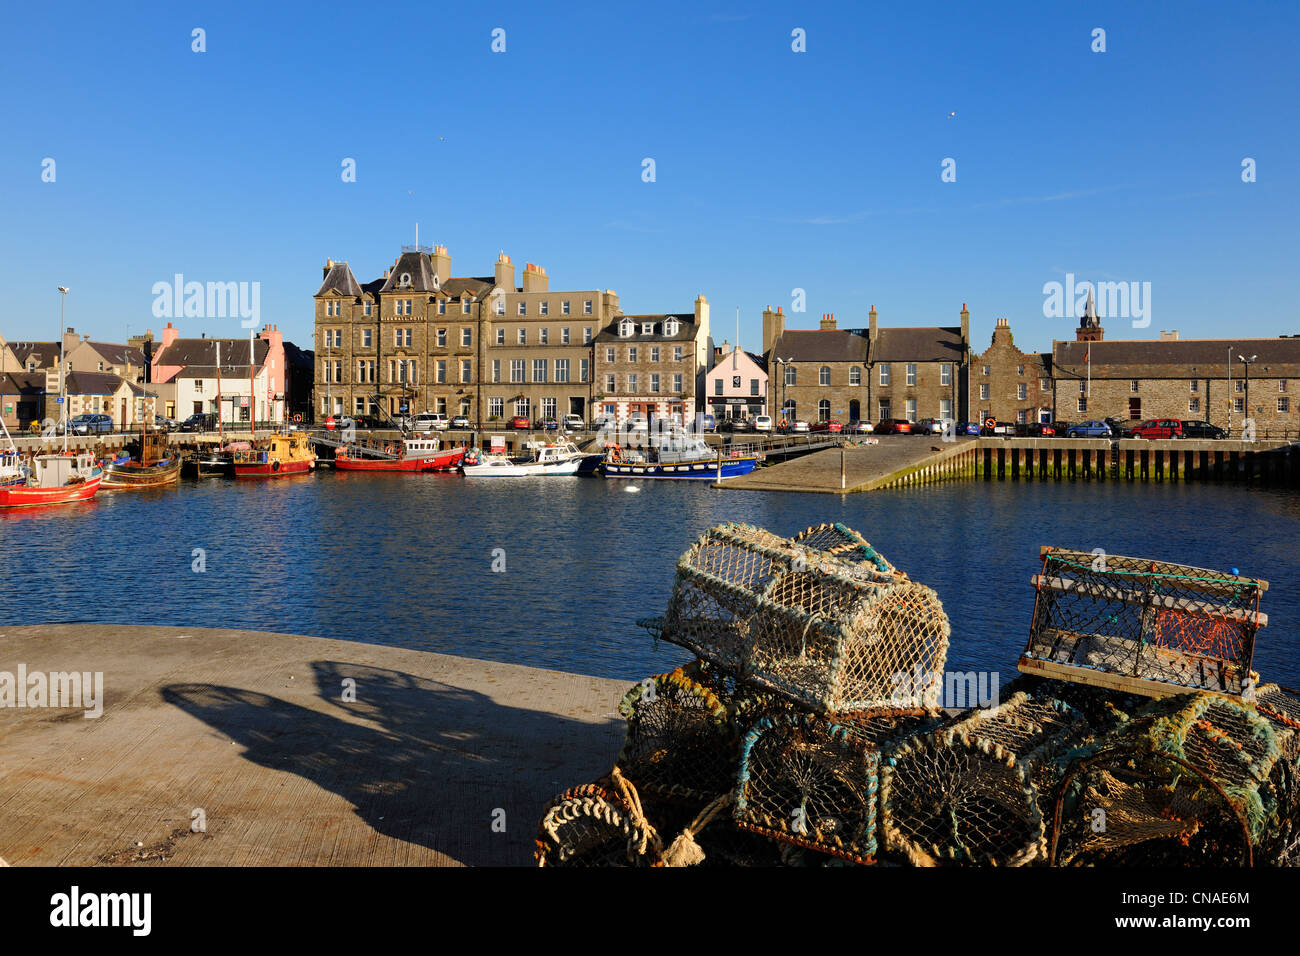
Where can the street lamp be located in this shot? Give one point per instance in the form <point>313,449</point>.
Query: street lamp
<point>785,362</point>
<point>63,365</point>
<point>1247,363</point>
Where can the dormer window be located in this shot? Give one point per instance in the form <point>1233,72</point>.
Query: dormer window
<point>625,328</point>
<point>405,280</point>
<point>671,327</point>
<point>647,328</point>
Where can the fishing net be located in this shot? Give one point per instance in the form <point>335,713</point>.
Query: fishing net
<point>681,742</point>
<point>1185,782</point>
<point>829,635</point>
<point>1161,626</point>
<point>845,544</point>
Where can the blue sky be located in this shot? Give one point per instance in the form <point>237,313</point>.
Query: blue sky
<point>775,170</point>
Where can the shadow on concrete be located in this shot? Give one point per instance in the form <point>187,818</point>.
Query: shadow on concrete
<point>432,764</point>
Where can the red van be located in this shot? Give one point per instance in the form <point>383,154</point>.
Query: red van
<point>1157,428</point>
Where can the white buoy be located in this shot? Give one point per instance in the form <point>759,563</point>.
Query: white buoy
<point>631,488</point>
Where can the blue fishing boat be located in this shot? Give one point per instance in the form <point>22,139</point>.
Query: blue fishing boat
<point>678,456</point>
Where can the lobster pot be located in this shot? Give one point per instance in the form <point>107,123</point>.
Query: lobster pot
<point>829,636</point>
<point>744,702</point>
<point>725,844</point>
<point>592,825</point>
<point>844,544</point>
<point>1142,626</point>
<point>681,743</point>
<point>1038,732</point>
<point>952,798</point>
<point>1281,708</point>
<point>808,782</point>
<point>1186,782</point>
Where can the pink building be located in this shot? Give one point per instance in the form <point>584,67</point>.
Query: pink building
<point>203,386</point>
<point>736,386</point>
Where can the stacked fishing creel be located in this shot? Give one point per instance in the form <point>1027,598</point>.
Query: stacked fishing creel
<point>829,633</point>
<point>969,793</point>
<point>1189,780</point>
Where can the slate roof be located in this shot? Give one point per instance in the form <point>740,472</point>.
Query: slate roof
<point>418,267</point>
<point>819,345</point>
<point>93,383</point>
<point>921,344</point>
<point>120,354</point>
<point>198,357</point>
<point>22,382</point>
<point>685,333</point>
<point>1209,356</point>
<point>46,352</point>
<point>341,280</point>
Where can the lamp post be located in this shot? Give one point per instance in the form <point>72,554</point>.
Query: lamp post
<point>1247,363</point>
<point>63,365</point>
<point>784,363</point>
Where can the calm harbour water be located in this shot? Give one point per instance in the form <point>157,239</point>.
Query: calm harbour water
<point>407,560</point>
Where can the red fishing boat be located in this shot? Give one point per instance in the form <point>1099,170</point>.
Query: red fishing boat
<point>279,456</point>
<point>57,479</point>
<point>414,454</point>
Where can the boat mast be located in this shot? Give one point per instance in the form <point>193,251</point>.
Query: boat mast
<point>252,392</point>
<point>220,431</point>
<point>63,365</point>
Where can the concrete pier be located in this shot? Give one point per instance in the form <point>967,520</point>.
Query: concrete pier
<point>289,751</point>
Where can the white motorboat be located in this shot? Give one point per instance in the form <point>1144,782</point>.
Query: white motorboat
<point>543,458</point>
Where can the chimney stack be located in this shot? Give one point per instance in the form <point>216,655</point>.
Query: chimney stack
<point>871,326</point>
<point>773,327</point>
<point>505,273</point>
<point>535,278</point>
<point>441,263</point>
<point>828,320</point>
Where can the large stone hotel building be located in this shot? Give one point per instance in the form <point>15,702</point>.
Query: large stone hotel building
<point>420,339</point>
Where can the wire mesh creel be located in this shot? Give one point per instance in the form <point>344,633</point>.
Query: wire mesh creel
<point>829,634</point>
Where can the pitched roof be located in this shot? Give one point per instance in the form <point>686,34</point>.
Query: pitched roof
<point>15,382</point>
<point>1210,354</point>
<point>921,344</point>
<point>199,356</point>
<point>475,286</point>
<point>341,280</point>
<point>119,354</point>
<point>685,333</point>
<point>45,352</point>
<point>417,269</point>
<point>92,383</point>
<point>819,345</point>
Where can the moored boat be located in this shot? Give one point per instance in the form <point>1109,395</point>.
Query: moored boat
<point>543,458</point>
<point>57,479</point>
<point>413,454</point>
<point>157,465</point>
<point>677,456</point>
<point>277,456</point>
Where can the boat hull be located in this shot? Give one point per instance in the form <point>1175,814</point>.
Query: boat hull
<point>681,471</point>
<point>442,461</point>
<point>11,497</point>
<point>511,469</point>
<point>131,476</point>
<point>273,469</point>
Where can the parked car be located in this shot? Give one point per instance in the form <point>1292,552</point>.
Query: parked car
<point>430,421</point>
<point>90,424</point>
<point>521,422</point>
<point>1117,427</point>
<point>708,423</point>
<point>830,427</point>
<point>967,428</point>
<point>547,424</point>
<point>340,422</point>
<point>798,425</point>
<point>461,422</point>
<point>163,423</point>
<point>762,423</point>
<point>602,422</point>
<point>893,426</point>
<point>860,428</point>
<point>199,422</point>
<point>573,423</point>
<point>1036,430</point>
<point>1090,429</point>
<point>1156,428</point>
<point>1200,429</point>
<point>928,426</point>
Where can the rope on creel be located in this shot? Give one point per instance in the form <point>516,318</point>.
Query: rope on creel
<point>644,831</point>
<point>684,850</point>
